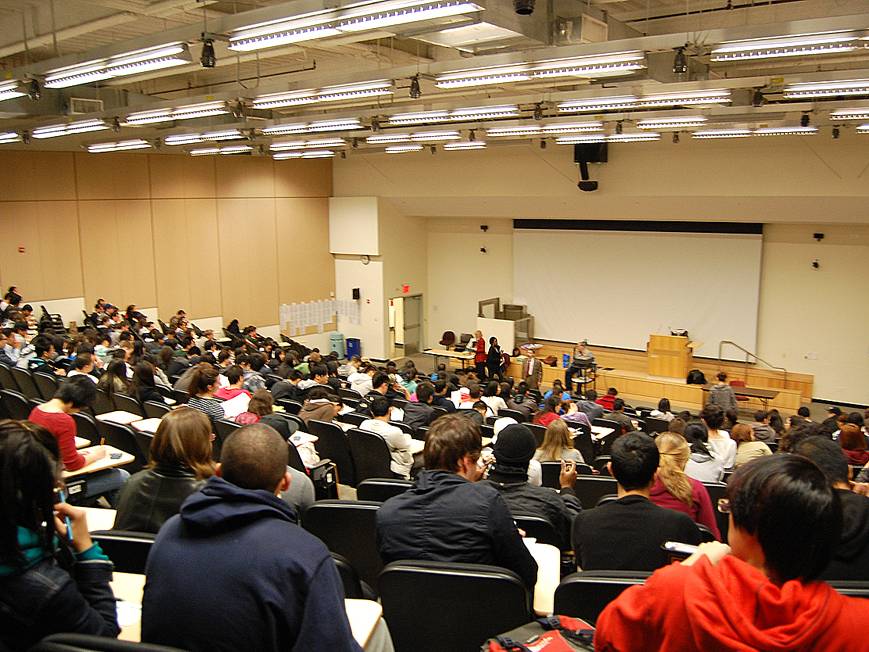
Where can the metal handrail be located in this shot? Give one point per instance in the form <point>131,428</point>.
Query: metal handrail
<point>753,355</point>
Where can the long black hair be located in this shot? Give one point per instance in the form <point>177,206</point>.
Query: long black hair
<point>28,475</point>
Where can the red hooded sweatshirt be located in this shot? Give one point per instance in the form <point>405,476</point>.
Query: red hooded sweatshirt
<point>734,607</point>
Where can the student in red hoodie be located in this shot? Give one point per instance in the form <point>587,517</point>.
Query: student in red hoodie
<point>759,593</point>
<point>608,400</point>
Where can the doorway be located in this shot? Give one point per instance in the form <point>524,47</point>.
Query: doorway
<point>405,325</point>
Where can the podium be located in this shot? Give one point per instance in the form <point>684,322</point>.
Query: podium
<point>670,355</point>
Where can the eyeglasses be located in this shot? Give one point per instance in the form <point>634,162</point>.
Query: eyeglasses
<point>724,505</point>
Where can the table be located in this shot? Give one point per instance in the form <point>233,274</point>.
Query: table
<point>146,425</point>
<point>81,442</point>
<point>364,615</point>
<point>100,519</point>
<point>119,416</point>
<point>599,432</point>
<point>455,355</point>
<point>416,446</point>
<point>548,560</point>
<point>765,395</point>
<point>103,463</point>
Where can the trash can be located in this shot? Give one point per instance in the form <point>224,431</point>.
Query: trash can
<point>565,360</point>
<point>354,347</point>
<point>336,343</point>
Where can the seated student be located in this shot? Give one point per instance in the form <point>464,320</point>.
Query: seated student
<point>747,448</point>
<point>10,348</point>
<point>251,365</point>
<point>360,379</point>
<point>143,387</point>
<point>233,570</point>
<point>557,391</point>
<point>320,405</point>
<point>663,411</point>
<point>490,397</point>
<point>674,489</point>
<point>441,398</point>
<point>43,358</point>
<point>83,365</point>
<point>447,515</point>
<point>719,440</point>
<point>521,401</point>
<point>260,409</point>
<point>474,395</point>
<point>573,416</point>
<point>203,384</point>
<point>419,413</point>
<point>590,406</point>
<point>381,386</point>
<point>72,396</point>
<point>703,463</point>
<point>558,445</point>
<point>396,439</point>
<point>38,595</point>
<point>759,592</point>
<point>509,474</point>
<point>319,378</point>
<point>762,430</point>
<point>627,534</point>
<point>549,412</point>
<point>606,402</point>
<point>234,384</point>
<point>853,443</point>
<point>618,415</point>
<point>180,464</point>
<point>476,413</point>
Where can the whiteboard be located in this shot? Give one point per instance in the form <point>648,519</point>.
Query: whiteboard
<point>614,288</point>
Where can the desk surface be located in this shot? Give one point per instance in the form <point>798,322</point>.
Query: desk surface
<point>363,615</point>
<point>755,392</point>
<point>81,442</point>
<point>119,416</point>
<point>548,560</point>
<point>100,519</point>
<point>146,425</point>
<point>443,353</point>
<point>103,463</point>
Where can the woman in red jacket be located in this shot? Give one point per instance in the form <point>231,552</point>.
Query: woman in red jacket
<point>759,593</point>
<point>549,413</point>
<point>480,355</point>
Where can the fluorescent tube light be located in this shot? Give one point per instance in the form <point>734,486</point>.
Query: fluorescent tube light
<point>189,139</point>
<point>638,137</point>
<point>529,130</point>
<point>469,114</point>
<point>121,145</point>
<point>786,131</point>
<point>847,87</point>
<point>381,139</point>
<point>599,65</point>
<point>862,129</point>
<point>850,114</point>
<point>315,153</point>
<point>326,94</point>
<point>128,63</point>
<point>324,24</point>
<point>465,144</point>
<point>721,133</point>
<point>229,149</point>
<point>435,136</point>
<point>572,128</point>
<point>786,46</point>
<point>420,117</point>
<point>672,123</point>
<point>186,112</point>
<point>9,90</point>
<point>9,137</point>
<point>595,104</point>
<point>655,100</point>
<point>80,127</point>
<point>403,149</point>
<point>342,124</point>
<point>319,143</point>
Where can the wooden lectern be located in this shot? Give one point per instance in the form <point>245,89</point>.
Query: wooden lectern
<point>670,356</point>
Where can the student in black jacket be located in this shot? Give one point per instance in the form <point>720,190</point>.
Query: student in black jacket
<point>143,387</point>
<point>627,534</point>
<point>38,597</point>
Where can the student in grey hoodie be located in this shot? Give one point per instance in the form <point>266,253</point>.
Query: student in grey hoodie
<point>762,430</point>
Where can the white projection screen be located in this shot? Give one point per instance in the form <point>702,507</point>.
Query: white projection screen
<point>614,288</point>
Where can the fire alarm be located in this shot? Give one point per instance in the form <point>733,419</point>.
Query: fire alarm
<point>21,250</point>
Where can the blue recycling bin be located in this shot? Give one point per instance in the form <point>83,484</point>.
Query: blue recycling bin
<point>336,343</point>
<point>354,347</point>
<point>565,360</point>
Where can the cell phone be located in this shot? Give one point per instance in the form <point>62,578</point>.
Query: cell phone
<point>679,549</point>
<point>114,456</point>
<point>60,497</point>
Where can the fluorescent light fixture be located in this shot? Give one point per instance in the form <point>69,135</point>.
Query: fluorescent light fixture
<point>9,137</point>
<point>363,17</point>
<point>528,130</point>
<point>315,153</point>
<point>786,46</point>
<point>786,131</point>
<point>403,149</point>
<point>80,127</point>
<point>189,139</point>
<point>633,137</point>
<point>9,90</point>
<point>186,112</point>
<point>721,133</point>
<point>598,65</point>
<point>228,149</point>
<point>342,124</point>
<point>581,139</point>
<point>119,146</point>
<point>319,143</point>
<point>850,114</point>
<point>435,136</point>
<point>672,123</point>
<point>862,129</point>
<point>381,139</point>
<point>844,88</point>
<point>128,63</point>
<point>469,114</point>
<point>420,117</point>
<point>655,100</point>
<point>465,144</point>
<point>326,94</point>
<point>572,128</point>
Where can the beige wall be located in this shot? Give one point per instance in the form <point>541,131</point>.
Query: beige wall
<point>218,236</point>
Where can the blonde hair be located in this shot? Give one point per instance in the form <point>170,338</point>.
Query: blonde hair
<point>556,439</point>
<point>674,451</point>
<point>184,438</point>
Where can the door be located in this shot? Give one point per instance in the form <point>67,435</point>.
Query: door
<point>412,324</point>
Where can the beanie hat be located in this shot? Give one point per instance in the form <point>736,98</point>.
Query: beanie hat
<point>515,447</point>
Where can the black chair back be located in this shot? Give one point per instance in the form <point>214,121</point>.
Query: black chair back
<point>348,527</point>
<point>705,533</point>
<point>15,404</point>
<point>590,489</point>
<point>86,426</point>
<point>539,432</point>
<point>600,464</point>
<point>370,455</point>
<point>353,418</point>
<point>717,491</point>
<point>295,460</point>
<point>155,410</point>
<point>89,643</point>
<point>538,528</point>
<point>102,403</point>
<point>291,406</point>
<point>773,446</point>
<point>350,394</point>
<point>585,445</point>
<point>655,425</point>
<point>607,498</point>
<point>127,404</point>
<point>144,441</point>
<point>300,425</point>
<point>128,550</point>
<point>852,588</point>
<point>349,578</point>
<point>403,427</point>
<point>487,431</point>
<point>586,594</point>
<point>438,412</point>
<point>46,384</point>
<point>381,489</point>
<point>332,444</point>
<point>25,383</point>
<point>455,607</point>
<point>515,414</point>
<point>223,428</point>
<point>124,438</point>
<point>7,381</point>
<point>552,473</point>
<point>181,397</point>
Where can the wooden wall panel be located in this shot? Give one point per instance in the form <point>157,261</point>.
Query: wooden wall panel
<point>203,258</point>
<point>170,251</point>
<point>37,175</point>
<point>310,178</point>
<point>248,260</point>
<point>60,249</point>
<point>20,224</point>
<point>303,226</point>
<point>112,176</point>
<point>243,176</point>
<point>181,176</point>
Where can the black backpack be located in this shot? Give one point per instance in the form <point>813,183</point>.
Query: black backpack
<point>695,377</point>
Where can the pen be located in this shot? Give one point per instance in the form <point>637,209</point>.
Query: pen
<point>66,518</point>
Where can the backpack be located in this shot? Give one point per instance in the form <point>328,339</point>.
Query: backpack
<point>695,377</point>
<point>548,634</point>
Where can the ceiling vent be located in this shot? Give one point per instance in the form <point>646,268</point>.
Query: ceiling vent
<point>80,105</point>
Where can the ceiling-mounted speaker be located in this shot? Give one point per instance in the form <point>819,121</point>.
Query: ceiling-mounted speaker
<point>590,153</point>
